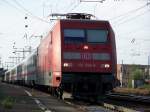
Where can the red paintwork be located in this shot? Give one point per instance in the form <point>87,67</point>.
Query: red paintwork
<point>97,48</point>
<point>49,55</point>
<point>50,51</point>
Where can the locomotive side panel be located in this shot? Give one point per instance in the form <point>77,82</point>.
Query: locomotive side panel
<point>56,55</point>
<point>49,59</point>
<point>43,62</point>
<point>114,56</point>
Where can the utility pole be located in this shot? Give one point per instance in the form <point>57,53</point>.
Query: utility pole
<point>23,51</point>
<point>148,2</point>
<point>122,73</point>
<point>37,36</point>
<point>7,65</point>
<point>43,9</point>
<point>0,61</point>
<point>15,59</point>
<point>148,67</point>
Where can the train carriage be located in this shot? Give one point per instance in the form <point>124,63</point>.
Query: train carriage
<point>13,75</point>
<point>7,76</point>
<point>30,69</point>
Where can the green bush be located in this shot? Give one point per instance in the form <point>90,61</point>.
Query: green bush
<point>130,83</point>
<point>7,102</point>
<point>137,74</point>
<point>145,86</point>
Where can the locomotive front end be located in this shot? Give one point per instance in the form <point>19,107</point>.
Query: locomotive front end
<point>88,57</point>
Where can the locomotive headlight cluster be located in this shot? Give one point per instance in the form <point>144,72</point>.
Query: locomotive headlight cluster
<point>67,64</point>
<point>105,66</point>
<point>85,47</point>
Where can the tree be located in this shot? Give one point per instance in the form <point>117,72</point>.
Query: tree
<point>137,74</point>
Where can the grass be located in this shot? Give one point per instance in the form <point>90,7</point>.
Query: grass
<point>137,91</point>
<point>8,102</point>
<point>130,83</point>
<point>32,92</point>
<point>36,111</point>
<point>145,86</point>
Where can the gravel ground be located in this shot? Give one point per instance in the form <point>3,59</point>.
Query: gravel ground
<point>22,99</point>
<point>14,99</point>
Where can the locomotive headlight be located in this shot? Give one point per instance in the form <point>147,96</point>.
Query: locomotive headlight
<point>85,47</point>
<point>107,65</point>
<point>67,64</point>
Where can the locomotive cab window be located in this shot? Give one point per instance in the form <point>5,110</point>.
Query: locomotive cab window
<point>74,35</point>
<point>97,36</point>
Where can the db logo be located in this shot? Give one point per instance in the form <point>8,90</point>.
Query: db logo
<point>86,56</point>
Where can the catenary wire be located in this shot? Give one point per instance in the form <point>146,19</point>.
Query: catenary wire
<point>130,12</point>
<point>133,18</point>
<point>28,12</point>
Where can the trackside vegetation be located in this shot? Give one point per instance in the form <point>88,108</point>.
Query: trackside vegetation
<point>136,91</point>
<point>141,89</point>
<point>8,102</point>
<point>136,74</point>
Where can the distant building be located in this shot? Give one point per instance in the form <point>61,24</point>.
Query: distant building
<point>124,73</point>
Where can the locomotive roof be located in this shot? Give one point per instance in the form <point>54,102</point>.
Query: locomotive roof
<point>86,20</point>
<point>83,20</point>
<point>75,17</point>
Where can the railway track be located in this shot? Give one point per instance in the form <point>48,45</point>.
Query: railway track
<point>112,102</point>
<point>116,102</point>
<point>129,97</point>
<point>127,102</point>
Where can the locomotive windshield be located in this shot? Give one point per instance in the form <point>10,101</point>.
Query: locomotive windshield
<point>85,35</point>
<point>74,35</point>
<point>97,36</point>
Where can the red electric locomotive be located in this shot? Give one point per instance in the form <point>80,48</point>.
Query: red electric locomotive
<point>78,56</point>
